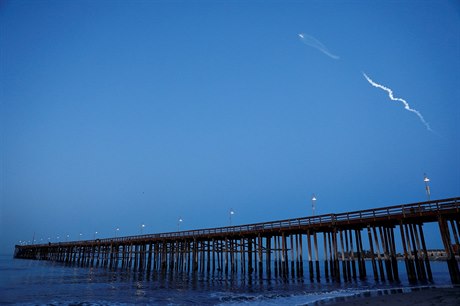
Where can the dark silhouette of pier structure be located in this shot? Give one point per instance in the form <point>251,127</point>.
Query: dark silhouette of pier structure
<point>280,248</point>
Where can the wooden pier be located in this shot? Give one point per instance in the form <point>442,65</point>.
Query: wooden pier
<point>279,248</point>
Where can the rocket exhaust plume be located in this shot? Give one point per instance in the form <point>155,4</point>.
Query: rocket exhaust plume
<point>406,105</point>
<point>313,42</point>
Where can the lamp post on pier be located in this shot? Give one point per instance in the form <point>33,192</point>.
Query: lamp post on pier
<point>313,204</point>
<point>231,213</point>
<point>178,223</point>
<point>427,186</point>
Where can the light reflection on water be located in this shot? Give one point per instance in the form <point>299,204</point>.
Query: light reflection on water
<point>40,282</point>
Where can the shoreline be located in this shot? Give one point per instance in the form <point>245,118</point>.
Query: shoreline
<point>424,296</point>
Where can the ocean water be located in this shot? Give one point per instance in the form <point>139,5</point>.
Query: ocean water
<point>31,282</point>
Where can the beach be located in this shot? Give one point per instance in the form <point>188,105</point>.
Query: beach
<point>423,296</point>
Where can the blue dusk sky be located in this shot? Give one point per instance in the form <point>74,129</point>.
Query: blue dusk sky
<point>122,113</point>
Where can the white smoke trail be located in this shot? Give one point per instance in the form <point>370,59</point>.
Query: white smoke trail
<point>406,105</point>
<point>313,42</point>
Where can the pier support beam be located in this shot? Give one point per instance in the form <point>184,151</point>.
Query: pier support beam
<point>451,261</point>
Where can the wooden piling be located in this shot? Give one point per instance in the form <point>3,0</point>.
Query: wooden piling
<point>451,261</point>
<point>326,268</point>
<point>351,255</point>
<point>285,257</point>
<point>344,265</point>
<point>419,252</point>
<point>415,252</point>
<point>425,253</point>
<point>386,253</point>
<point>331,256</point>
<point>315,243</point>
<point>268,251</point>
<point>371,247</point>
<point>250,268</point>
<point>310,260</point>
<point>244,256</point>
<point>454,232</point>
<point>297,259</point>
<point>276,253</point>
<point>336,255</point>
<point>407,253</point>
<point>347,252</point>
<point>394,262</point>
<point>292,255</point>
<point>361,255</point>
<point>259,255</point>
<point>379,258</point>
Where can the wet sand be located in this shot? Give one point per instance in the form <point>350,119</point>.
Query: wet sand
<point>423,297</point>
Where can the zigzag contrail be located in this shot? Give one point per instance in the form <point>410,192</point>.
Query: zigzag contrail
<point>406,105</point>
